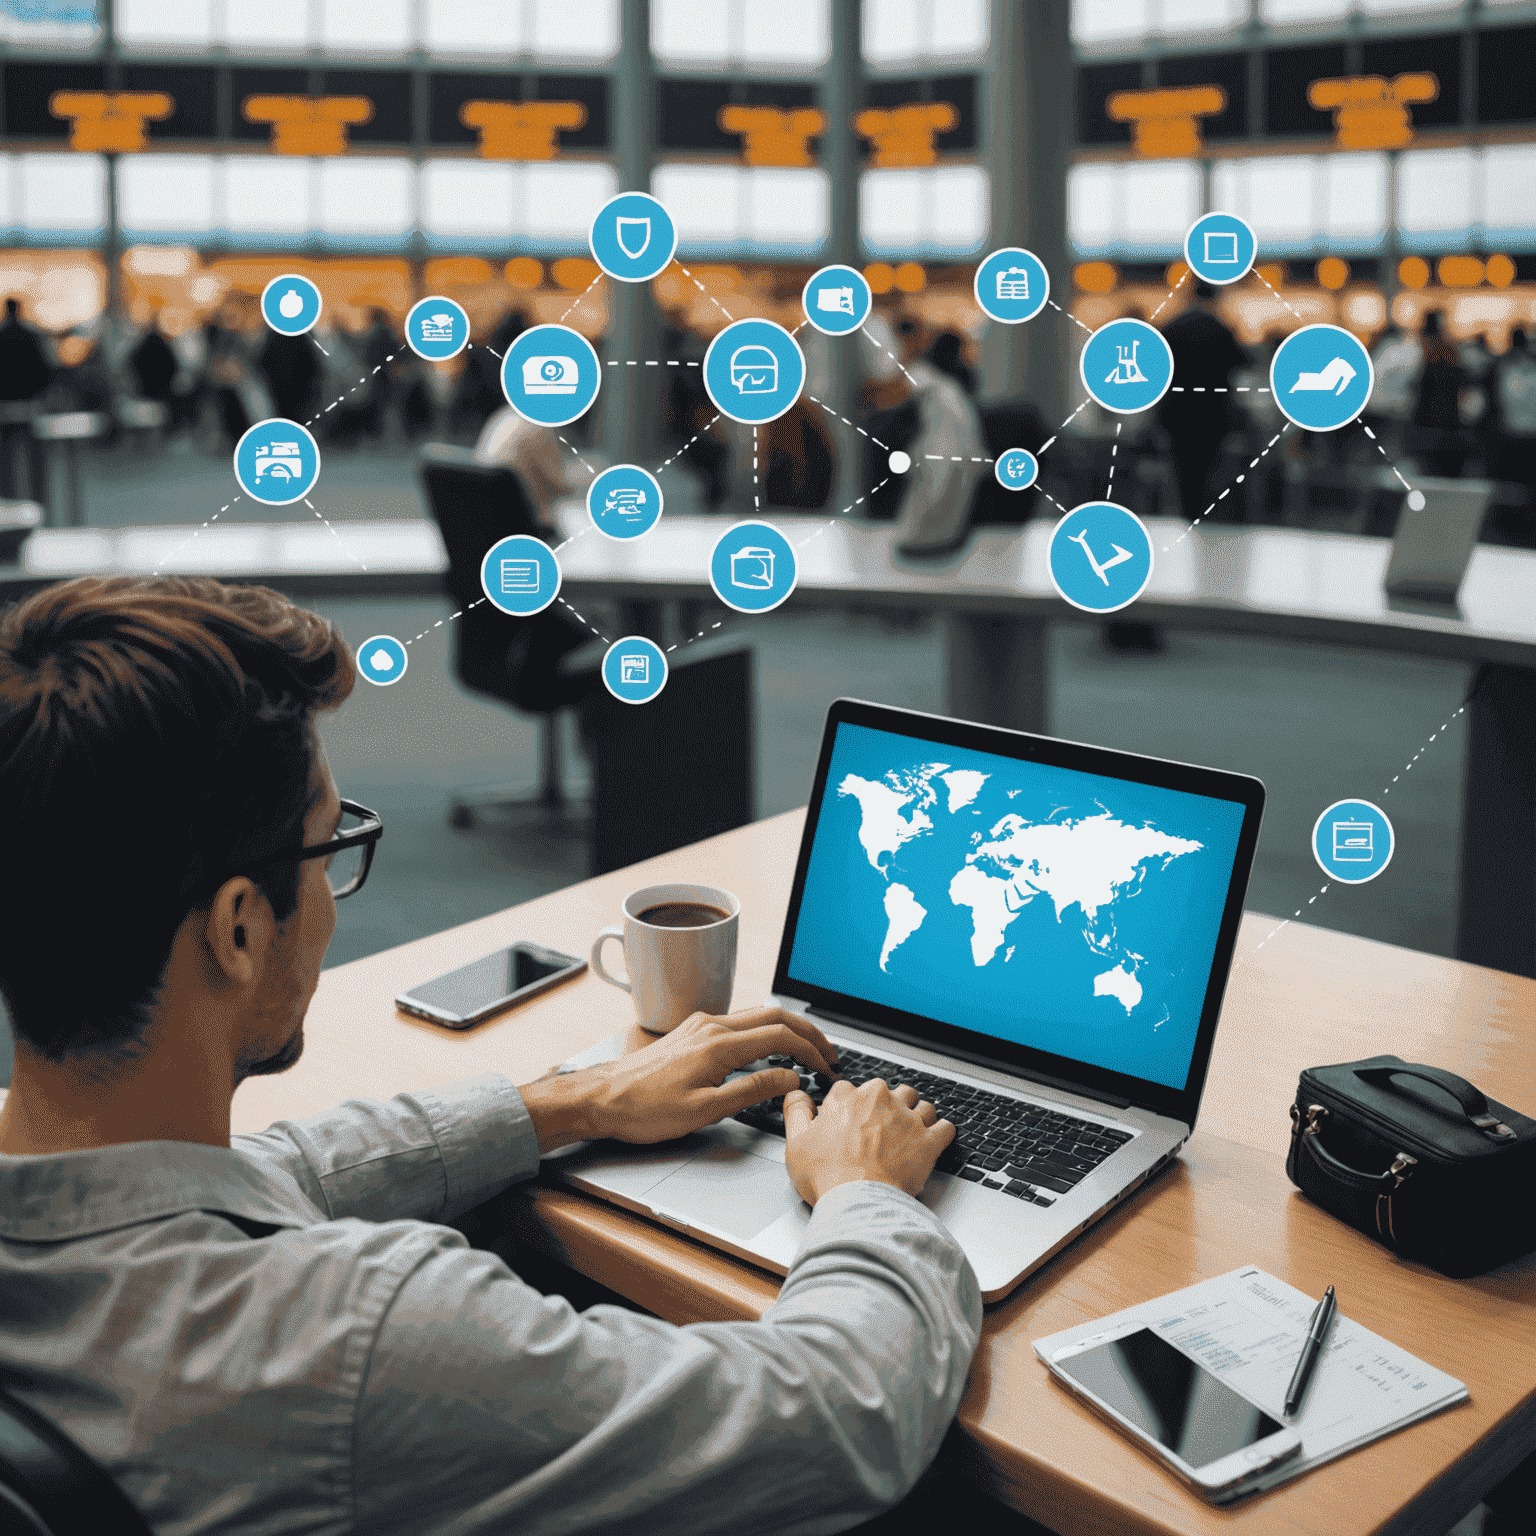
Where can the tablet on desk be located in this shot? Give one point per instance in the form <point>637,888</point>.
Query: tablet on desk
<point>1435,541</point>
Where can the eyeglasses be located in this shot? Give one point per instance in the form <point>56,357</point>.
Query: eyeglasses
<point>348,856</point>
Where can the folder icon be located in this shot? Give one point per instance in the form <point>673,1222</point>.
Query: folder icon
<point>752,568</point>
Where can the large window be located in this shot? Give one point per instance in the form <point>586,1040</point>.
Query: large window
<point>928,214</point>
<point>1305,204</point>
<point>902,34</point>
<point>735,210</point>
<point>1132,209</point>
<point>68,24</point>
<point>53,197</point>
<point>771,35</point>
<point>489,29</point>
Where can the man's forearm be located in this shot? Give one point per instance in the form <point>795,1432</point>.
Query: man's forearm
<point>561,1109</point>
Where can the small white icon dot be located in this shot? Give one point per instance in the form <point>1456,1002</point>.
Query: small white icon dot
<point>382,661</point>
<point>1416,500</point>
<point>900,462</point>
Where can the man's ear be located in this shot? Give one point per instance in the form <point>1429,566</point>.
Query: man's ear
<point>238,930</point>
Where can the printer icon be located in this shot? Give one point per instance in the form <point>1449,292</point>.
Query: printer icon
<point>752,569</point>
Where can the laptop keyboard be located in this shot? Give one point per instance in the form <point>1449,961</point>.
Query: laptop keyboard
<point>1029,1151</point>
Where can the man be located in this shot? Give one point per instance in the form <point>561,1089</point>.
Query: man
<point>948,453</point>
<point>1199,415</point>
<point>272,1332</point>
<point>24,375</point>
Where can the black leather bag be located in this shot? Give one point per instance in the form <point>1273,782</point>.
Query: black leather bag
<point>1417,1158</point>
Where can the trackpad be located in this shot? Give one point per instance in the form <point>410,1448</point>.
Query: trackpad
<point>727,1189</point>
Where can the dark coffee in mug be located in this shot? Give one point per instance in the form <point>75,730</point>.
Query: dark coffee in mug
<point>683,914</point>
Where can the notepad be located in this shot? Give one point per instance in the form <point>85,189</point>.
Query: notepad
<point>1247,1328</point>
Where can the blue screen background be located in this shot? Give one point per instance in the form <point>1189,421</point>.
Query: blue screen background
<point>1038,987</point>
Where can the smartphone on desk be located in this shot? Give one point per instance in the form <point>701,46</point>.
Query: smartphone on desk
<point>485,986</point>
<point>1211,1436</point>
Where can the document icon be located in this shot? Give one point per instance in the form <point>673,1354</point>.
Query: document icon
<point>1352,842</point>
<point>634,669</point>
<point>1013,283</point>
<point>437,328</point>
<point>1221,246</point>
<point>519,575</point>
<point>752,568</point>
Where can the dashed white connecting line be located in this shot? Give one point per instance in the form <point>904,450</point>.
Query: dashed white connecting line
<point>451,617</point>
<point>1274,291</point>
<point>580,533</point>
<point>1217,389</point>
<point>583,618</point>
<point>1070,316</point>
<point>579,297</point>
<point>856,427</point>
<point>958,458</point>
<point>692,440</point>
<point>756,503</point>
<point>1161,307</point>
<point>337,401</point>
<point>225,508</point>
<point>1114,452</point>
<point>1386,790</point>
<point>347,552</point>
<point>1221,498</point>
<point>579,458</point>
<point>832,523</point>
<point>1383,452</point>
<point>492,350</point>
<point>316,341</point>
<point>650,362</point>
<point>1059,430</point>
<point>879,348</point>
<point>705,291</point>
<point>691,638</point>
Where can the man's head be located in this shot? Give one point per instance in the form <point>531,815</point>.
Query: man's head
<point>12,309</point>
<point>157,738</point>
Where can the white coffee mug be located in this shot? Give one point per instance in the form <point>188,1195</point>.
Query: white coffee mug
<point>674,971</point>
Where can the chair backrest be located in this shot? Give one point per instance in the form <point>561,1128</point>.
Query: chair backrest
<point>473,505</point>
<point>668,773</point>
<point>48,1485</point>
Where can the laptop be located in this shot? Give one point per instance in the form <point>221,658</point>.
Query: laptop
<point>1435,540</point>
<point>1035,934</point>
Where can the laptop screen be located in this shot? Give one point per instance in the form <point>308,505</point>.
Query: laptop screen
<point>1071,913</point>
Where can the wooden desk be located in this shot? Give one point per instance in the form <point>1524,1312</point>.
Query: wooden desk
<point>1309,996</point>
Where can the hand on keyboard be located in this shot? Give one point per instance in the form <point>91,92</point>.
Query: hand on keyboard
<point>865,1133</point>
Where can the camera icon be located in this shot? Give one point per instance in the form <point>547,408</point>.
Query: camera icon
<point>550,376</point>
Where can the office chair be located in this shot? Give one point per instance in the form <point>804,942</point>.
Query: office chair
<point>50,1487</point>
<point>526,663</point>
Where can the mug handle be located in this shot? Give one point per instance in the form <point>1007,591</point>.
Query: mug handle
<point>614,932</point>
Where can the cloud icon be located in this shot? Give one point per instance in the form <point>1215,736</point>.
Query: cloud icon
<point>381,661</point>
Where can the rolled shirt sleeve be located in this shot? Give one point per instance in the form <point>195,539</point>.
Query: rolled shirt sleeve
<point>430,1156</point>
<point>486,1406</point>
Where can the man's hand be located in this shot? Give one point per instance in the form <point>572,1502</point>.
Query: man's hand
<point>867,1132</point>
<point>678,1084</point>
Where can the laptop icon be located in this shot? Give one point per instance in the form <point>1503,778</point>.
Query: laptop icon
<point>965,918</point>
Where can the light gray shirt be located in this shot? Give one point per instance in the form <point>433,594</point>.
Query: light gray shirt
<point>277,1337</point>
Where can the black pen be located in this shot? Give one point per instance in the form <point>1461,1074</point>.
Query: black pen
<point>1321,1317</point>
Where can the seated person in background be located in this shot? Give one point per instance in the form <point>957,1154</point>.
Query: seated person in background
<point>275,1332</point>
<point>948,452</point>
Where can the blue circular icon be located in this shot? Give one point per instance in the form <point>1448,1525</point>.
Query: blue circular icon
<point>1012,285</point>
<point>624,501</point>
<point>1101,557</point>
<point>437,329</point>
<point>381,660</point>
<point>754,371</point>
<point>1126,366</point>
<point>1321,377</point>
<point>520,575</point>
<point>1352,841</point>
<point>752,568</point>
<point>837,300</point>
<point>551,375</point>
<point>277,461</point>
<point>1220,248</point>
<point>633,237</point>
<point>634,670</point>
<point>290,304</point>
<point>1016,469</point>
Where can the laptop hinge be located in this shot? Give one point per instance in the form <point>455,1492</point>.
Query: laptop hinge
<point>990,1063</point>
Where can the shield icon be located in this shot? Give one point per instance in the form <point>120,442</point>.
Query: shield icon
<point>633,236</point>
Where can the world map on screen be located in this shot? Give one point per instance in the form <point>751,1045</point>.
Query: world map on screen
<point>1064,910</point>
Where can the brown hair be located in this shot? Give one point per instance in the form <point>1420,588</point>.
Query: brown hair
<point>156,733</point>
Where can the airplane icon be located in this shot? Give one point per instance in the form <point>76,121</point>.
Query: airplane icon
<point>1119,558</point>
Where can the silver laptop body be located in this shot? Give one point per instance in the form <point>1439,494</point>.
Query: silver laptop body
<point>1124,815</point>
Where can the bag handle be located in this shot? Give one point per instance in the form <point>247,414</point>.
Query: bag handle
<point>1379,1183</point>
<point>1474,1105</point>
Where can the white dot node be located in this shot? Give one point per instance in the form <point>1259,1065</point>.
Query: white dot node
<point>900,462</point>
<point>382,661</point>
<point>1416,500</point>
